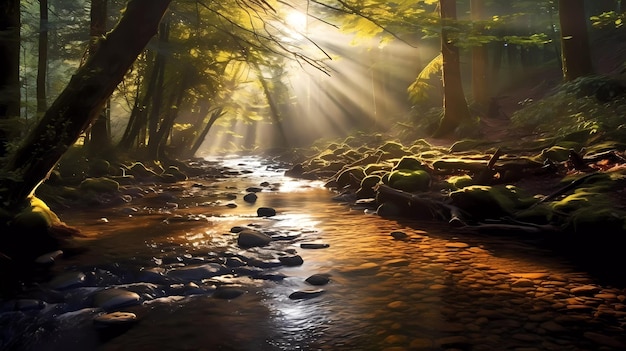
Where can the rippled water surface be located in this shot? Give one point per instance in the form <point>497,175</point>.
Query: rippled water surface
<point>432,290</point>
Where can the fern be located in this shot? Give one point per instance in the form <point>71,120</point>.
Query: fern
<point>418,90</point>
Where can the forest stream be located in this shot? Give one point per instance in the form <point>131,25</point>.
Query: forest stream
<point>172,271</point>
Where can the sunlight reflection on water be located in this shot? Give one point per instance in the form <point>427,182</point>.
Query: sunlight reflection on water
<point>382,292</point>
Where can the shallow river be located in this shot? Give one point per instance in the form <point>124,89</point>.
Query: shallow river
<point>175,249</point>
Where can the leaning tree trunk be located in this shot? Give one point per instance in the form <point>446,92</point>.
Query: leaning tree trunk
<point>80,102</point>
<point>455,110</point>
<point>576,55</point>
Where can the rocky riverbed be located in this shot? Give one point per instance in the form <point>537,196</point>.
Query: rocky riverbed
<point>202,264</point>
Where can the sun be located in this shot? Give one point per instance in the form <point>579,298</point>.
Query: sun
<point>297,21</point>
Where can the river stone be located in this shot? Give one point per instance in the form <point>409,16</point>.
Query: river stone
<point>318,279</point>
<point>314,246</point>
<point>113,298</point>
<point>305,294</point>
<point>251,238</point>
<point>265,212</point>
<point>227,292</point>
<point>197,272</point>
<point>114,319</point>
<point>67,280</point>
<point>48,258</point>
<point>250,198</point>
<point>399,235</point>
<point>291,261</point>
<point>586,290</point>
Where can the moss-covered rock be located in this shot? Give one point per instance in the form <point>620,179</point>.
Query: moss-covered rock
<point>599,221</point>
<point>349,176</point>
<point>482,201</point>
<point>100,185</point>
<point>35,217</point>
<point>410,163</point>
<point>459,181</point>
<point>409,180</point>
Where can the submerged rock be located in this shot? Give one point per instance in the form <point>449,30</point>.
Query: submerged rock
<point>265,212</point>
<point>252,238</point>
<point>306,294</point>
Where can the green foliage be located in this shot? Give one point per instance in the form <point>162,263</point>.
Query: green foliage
<point>608,19</point>
<point>589,105</point>
<point>418,90</point>
<point>409,180</point>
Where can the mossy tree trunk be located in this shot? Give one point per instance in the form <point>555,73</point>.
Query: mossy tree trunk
<point>79,103</point>
<point>455,109</point>
<point>479,61</point>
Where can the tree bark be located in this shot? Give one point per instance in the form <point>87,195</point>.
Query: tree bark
<point>455,110</point>
<point>42,57</point>
<point>479,62</point>
<point>80,102</point>
<point>99,141</point>
<point>215,115</point>
<point>9,66</point>
<point>575,51</point>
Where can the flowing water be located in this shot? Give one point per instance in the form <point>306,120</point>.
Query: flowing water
<point>422,288</point>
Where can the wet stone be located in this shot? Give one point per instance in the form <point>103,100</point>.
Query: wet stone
<point>399,235</point>
<point>114,319</point>
<point>585,290</point>
<point>291,261</point>
<point>314,246</point>
<point>115,298</point>
<point>67,280</point>
<point>265,212</point>
<point>228,292</point>
<point>306,294</point>
<point>318,279</point>
<point>250,198</point>
<point>196,273</point>
<point>252,238</point>
<point>49,258</point>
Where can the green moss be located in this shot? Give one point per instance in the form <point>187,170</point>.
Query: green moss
<point>35,217</point>
<point>99,185</point>
<point>490,202</point>
<point>409,162</point>
<point>460,181</point>
<point>592,218</point>
<point>409,180</point>
<point>554,153</point>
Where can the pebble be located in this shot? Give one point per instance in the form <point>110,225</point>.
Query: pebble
<point>115,298</point>
<point>314,246</point>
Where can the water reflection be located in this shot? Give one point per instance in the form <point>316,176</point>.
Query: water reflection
<point>431,290</point>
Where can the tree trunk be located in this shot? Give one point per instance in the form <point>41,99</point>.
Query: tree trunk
<point>575,52</point>
<point>455,110</point>
<point>99,141</point>
<point>215,115</point>
<point>157,99</point>
<point>9,66</point>
<point>42,58</point>
<point>479,62</point>
<point>156,146</point>
<point>80,102</point>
